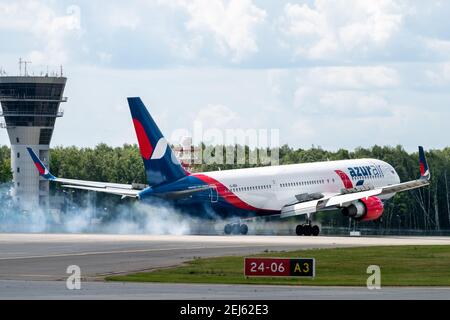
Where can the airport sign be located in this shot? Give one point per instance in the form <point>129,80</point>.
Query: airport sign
<point>279,267</point>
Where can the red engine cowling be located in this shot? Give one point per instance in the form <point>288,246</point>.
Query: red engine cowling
<point>365,209</point>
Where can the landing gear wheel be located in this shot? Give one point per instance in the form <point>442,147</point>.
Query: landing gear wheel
<point>227,229</point>
<point>315,230</point>
<point>299,230</point>
<point>236,228</point>
<point>243,229</point>
<point>307,230</point>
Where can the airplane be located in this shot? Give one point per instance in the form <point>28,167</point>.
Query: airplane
<point>357,187</point>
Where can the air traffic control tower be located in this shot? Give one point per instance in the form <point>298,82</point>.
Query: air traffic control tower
<point>30,106</point>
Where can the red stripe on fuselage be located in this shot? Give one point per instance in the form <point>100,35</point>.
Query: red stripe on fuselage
<point>348,184</point>
<point>225,193</point>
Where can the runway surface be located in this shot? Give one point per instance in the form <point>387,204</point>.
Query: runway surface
<point>17,289</point>
<point>47,256</point>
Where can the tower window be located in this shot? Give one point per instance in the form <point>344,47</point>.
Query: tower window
<point>18,154</point>
<point>18,169</point>
<point>17,140</point>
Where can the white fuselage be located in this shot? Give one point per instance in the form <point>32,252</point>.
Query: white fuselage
<point>273,187</point>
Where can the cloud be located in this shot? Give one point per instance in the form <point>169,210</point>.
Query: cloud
<point>50,29</point>
<point>330,29</point>
<point>231,23</point>
<point>275,78</point>
<point>355,77</point>
<point>217,116</point>
<point>439,74</point>
<point>351,91</point>
<point>339,131</point>
<point>352,104</point>
<point>437,46</point>
<point>124,16</point>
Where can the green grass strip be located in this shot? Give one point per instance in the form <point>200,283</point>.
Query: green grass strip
<point>400,266</point>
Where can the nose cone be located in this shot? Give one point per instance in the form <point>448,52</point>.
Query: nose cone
<point>390,173</point>
<point>396,177</point>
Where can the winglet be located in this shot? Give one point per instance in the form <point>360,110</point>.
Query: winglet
<point>424,169</point>
<point>43,171</point>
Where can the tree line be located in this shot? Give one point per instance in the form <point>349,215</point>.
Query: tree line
<point>424,209</point>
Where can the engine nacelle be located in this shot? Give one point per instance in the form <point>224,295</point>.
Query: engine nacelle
<point>364,209</point>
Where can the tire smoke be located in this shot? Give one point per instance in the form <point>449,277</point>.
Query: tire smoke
<point>130,218</point>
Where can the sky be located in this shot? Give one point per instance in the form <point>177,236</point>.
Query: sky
<point>335,74</point>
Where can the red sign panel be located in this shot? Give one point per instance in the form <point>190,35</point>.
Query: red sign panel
<point>279,267</point>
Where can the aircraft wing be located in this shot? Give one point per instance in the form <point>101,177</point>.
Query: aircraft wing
<point>182,194</point>
<point>133,193</point>
<point>125,190</point>
<point>339,200</point>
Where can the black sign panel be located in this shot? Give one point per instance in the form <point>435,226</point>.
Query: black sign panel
<point>304,267</point>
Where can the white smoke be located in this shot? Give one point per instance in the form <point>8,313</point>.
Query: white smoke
<point>130,218</point>
<point>142,218</point>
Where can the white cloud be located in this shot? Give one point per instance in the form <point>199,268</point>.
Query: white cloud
<point>104,57</point>
<point>356,92</point>
<point>186,49</point>
<point>332,28</point>
<point>437,46</point>
<point>217,116</point>
<point>231,23</point>
<point>274,79</point>
<point>340,131</point>
<point>352,77</point>
<point>332,103</point>
<point>122,17</point>
<point>50,29</point>
<point>439,74</point>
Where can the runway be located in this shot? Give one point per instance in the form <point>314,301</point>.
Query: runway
<point>47,256</point>
<point>48,290</point>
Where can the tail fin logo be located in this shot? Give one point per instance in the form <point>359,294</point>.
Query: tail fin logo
<point>40,168</point>
<point>424,170</point>
<point>43,171</point>
<point>145,146</point>
<point>160,149</point>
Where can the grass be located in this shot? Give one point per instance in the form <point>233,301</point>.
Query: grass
<point>400,266</point>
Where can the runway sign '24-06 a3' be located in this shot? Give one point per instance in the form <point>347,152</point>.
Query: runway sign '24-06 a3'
<point>279,267</point>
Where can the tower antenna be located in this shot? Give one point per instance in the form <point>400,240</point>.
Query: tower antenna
<point>25,63</point>
<point>21,61</point>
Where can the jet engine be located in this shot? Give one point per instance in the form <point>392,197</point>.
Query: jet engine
<point>364,209</point>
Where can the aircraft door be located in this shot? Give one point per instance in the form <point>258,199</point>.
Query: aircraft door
<point>213,194</point>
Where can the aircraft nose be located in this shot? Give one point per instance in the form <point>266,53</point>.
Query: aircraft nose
<point>397,177</point>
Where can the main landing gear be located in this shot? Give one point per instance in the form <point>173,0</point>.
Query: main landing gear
<point>307,230</point>
<point>236,228</point>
